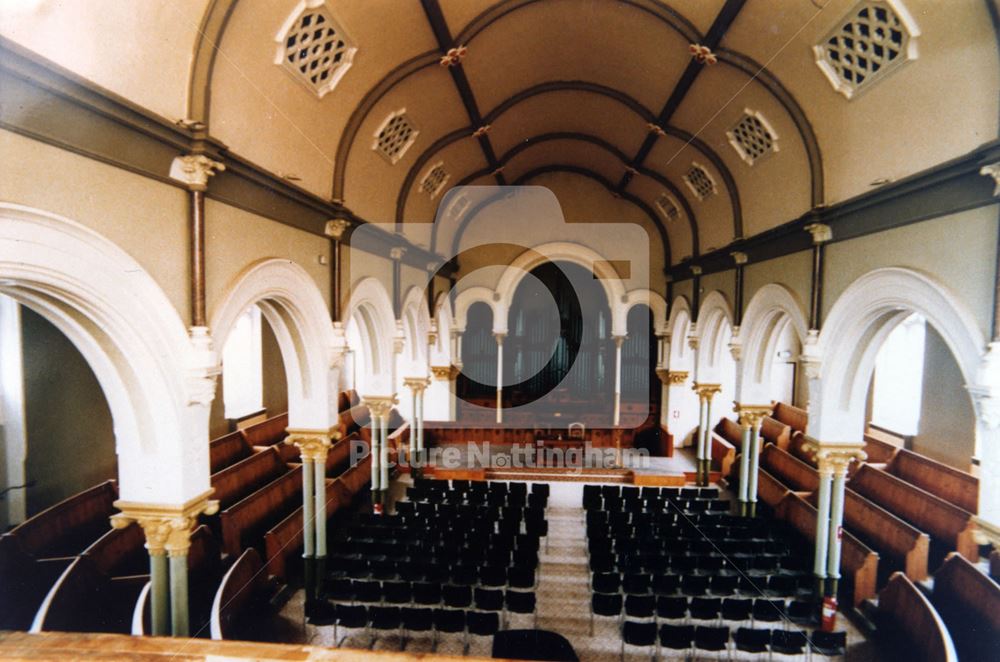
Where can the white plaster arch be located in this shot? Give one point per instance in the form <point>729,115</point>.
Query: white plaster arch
<point>560,251</point>
<point>370,308</point>
<point>714,315</point>
<point>678,326</point>
<point>854,331</point>
<point>157,380</point>
<point>477,294</point>
<point>416,327</point>
<point>769,312</point>
<point>653,301</point>
<point>440,351</point>
<point>294,307</point>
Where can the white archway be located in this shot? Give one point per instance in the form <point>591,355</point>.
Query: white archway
<point>477,294</point>
<point>867,311</point>
<point>715,322</point>
<point>440,351</point>
<point>157,381</point>
<point>680,356</point>
<point>416,327</point>
<point>370,319</point>
<point>560,251</point>
<point>653,301</point>
<point>681,402</point>
<point>294,307</point>
<point>771,310</point>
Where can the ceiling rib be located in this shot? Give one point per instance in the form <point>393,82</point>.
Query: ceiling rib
<point>439,26</point>
<point>712,39</point>
<point>606,146</point>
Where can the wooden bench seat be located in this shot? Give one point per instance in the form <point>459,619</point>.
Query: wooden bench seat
<point>909,627</point>
<point>228,450</point>
<point>770,490</point>
<point>34,554</point>
<point>723,455</point>
<point>793,472</point>
<point>347,399</point>
<point>339,456</point>
<point>969,603</point>
<point>120,552</point>
<point>954,486</point>
<point>950,527</point>
<point>283,542</point>
<point>241,606</point>
<point>272,432</point>
<point>881,447</point>
<point>244,523</point>
<point>84,599</point>
<point>794,417</point>
<point>900,546</point>
<point>775,432</point>
<point>353,419</point>
<point>247,476</point>
<point>858,562</point>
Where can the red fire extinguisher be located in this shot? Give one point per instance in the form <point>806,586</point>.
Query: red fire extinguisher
<point>377,508</point>
<point>828,621</point>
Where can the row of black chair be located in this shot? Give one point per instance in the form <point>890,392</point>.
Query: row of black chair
<point>631,492</point>
<point>477,498</point>
<point>779,586</point>
<point>415,619</point>
<point>679,608</point>
<point>431,594</point>
<point>466,572</point>
<point>712,641</point>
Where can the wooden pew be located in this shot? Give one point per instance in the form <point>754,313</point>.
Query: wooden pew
<point>950,527</point>
<point>723,455</point>
<point>770,490</point>
<point>283,542</point>
<point>97,591</point>
<point>228,450</point>
<point>969,603</point>
<point>339,455</point>
<point>954,486</point>
<point>791,471</point>
<point>858,563</point>
<point>347,399</point>
<point>244,523</point>
<point>909,624</point>
<point>353,419</point>
<point>241,602</point>
<point>995,565</point>
<point>34,554</point>
<point>794,417</point>
<point>881,447</point>
<point>248,475</point>
<point>272,432</point>
<point>899,545</point>
<point>775,432</point>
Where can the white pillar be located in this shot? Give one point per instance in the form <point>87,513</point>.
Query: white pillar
<point>373,450</point>
<point>384,451</point>
<point>619,340</point>
<point>822,523</point>
<point>836,522</point>
<point>319,485</point>
<point>420,418</point>
<point>754,465</point>
<point>308,502</point>
<point>746,434</point>
<point>499,338</point>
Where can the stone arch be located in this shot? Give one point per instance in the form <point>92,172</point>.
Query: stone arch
<point>860,320</point>
<point>158,381</point>
<point>294,307</point>
<point>770,311</point>
<point>472,295</point>
<point>680,355</point>
<point>654,301</point>
<point>560,251</point>
<point>369,311</point>
<point>714,316</point>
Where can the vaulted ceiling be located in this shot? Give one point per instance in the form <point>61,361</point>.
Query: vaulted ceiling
<point>624,95</point>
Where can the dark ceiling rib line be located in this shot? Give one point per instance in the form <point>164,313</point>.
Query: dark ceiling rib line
<point>425,156</point>
<point>357,118</point>
<point>794,110</point>
<point>576,170</point>
<point>206,47</point>
<point>603,144</point>
<point>655,8</point>
<point>593,88</point>
<point>712,38</point>
<point>439,26</point>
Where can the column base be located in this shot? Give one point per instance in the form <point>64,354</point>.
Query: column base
<point>832,586</point>
<point>819,588</point>
<point>704,471</point>
<point>743,509</point>
<point>752,509</point>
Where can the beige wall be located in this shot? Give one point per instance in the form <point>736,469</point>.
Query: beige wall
<point>70,435</point>
<point>145,218</point>
<point>275,383</point>
<point>958,250</point>
<point>793,271</point>
<point>234,239</point>
<point>724,282</point>
<point>947,421</point>
<point>684,288</point>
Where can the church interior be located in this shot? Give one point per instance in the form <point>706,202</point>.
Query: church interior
<point>517,329</point>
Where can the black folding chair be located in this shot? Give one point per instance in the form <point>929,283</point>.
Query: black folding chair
<point>385,618</point>
<point>672,608</point>
<point>638,634</point>
<point>676,637</point>
<point>488,599</point>
<point>349,616</point>
<point>426,593</point>
<point>449,621</point>
<point>416,619</point>
<point>604,604</point>
<point>521,602</point>
<point>711,642</point>
<point>748,640</point>
<point>457,597</point>
<point>829,644</point>
<point>481,624</point>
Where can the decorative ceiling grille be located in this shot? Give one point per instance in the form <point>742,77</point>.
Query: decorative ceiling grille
<point>668,207</point>
<point>874,38</point>
<point>457,208</point>
<point>434,180</point>
<point>752,137</point>
<point>699,181</point>
<point>314,48</point>
<point>395,136</point>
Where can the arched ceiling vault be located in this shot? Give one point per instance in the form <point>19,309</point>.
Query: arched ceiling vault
<point>616,80</point>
